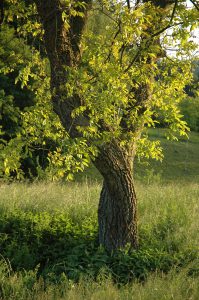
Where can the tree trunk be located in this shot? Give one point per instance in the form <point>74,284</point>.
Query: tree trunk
<point>117,213</point>
<point>63,50</point>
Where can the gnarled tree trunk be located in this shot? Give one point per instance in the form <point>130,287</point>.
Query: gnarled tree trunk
<point>117,213</point>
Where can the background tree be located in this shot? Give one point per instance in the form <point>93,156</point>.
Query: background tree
<point>107,87</point>
<point>27,129</point>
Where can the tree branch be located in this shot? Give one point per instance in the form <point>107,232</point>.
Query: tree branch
<point>1,12</point>
<point>169,24</point>
<point>128,4</point>
<point>195,4</point>
<point>154,35</point>
<point>134,60</point>
<point>112,43</point>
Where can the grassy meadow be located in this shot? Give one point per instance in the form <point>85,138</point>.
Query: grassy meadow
<point>48,236</point>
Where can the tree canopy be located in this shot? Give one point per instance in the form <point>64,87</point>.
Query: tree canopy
<point>125,51</point>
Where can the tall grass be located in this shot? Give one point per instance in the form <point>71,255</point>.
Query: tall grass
<point>48,243</point>
<point>174,285</point>
<point>157,203</point>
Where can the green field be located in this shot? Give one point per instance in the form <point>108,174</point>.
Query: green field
<point>181,159</point>
<point>48,236</point>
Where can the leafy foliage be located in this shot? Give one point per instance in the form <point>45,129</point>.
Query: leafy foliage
<point>126,80</point>
<point>33,142</point>
<point>125,60</point>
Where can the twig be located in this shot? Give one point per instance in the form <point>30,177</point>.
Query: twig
<point>116,34</point>
<point>134,60</point>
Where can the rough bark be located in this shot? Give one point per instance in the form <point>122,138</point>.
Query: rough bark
<point>63,50</point>
<point>117,212</point>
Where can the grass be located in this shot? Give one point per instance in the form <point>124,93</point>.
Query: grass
<point>49,249</point>
<point>48,237</point>
<point>174,285</point>
<point>181,159</point>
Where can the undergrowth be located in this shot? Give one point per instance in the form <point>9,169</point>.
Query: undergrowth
<point>49,242</point>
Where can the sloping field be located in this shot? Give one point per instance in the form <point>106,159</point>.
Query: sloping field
<point>181,158</point>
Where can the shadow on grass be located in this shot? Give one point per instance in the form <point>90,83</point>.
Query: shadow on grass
<point>55,245</point>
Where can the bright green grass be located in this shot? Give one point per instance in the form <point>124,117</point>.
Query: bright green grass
<point>156,203</point>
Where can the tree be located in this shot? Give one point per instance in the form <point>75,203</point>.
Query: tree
<point>14,57</point>
<point>107,87</point>
<point>29,130</point>
<point>24,146</point>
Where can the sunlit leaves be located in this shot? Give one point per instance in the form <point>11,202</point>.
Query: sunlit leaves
<point>149,149</point>
<point>127,55</point>
<point>11,154</point>
<point>71,157</point>
<point>24,15</point>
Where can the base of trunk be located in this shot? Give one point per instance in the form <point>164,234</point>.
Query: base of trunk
<point>117,216</point>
